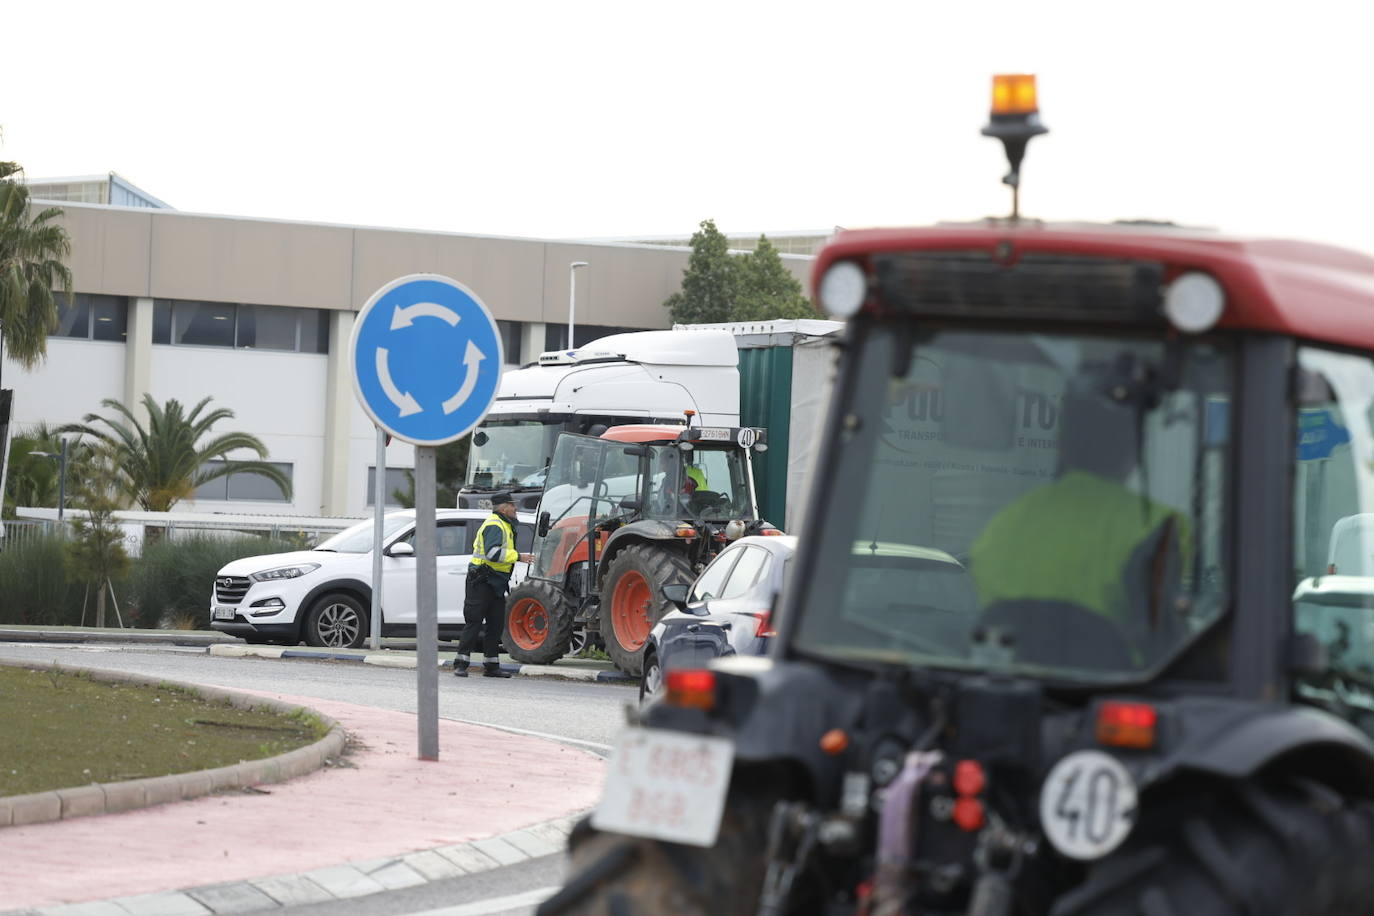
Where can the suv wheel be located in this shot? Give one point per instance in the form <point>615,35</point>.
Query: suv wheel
<point>336,621</point>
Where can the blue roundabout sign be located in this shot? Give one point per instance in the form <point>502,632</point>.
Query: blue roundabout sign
<point>426,359</point>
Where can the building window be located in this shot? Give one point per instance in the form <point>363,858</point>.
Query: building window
<point>92,317</point>
<point>510,339</point>
<point>556,335</point>
<point>396,479</point>
<point>245,487</point>
<point>246,327</point>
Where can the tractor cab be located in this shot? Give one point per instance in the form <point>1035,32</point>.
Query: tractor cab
<point>623,514</point>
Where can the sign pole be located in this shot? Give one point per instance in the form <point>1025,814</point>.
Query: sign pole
<point>379,507</point>
<point>426,603</point>
<point>426,359</point>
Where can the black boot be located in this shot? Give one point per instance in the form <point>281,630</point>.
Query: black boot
<point>460,667</point>
<point>493,669</point>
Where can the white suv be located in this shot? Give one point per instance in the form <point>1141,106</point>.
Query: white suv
<point>324,595</point>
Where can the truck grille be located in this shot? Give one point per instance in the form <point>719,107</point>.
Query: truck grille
<point>230,589</point>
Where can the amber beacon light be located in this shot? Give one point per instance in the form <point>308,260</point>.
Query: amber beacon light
<point>1014,94</point>
<point>1014,120</point>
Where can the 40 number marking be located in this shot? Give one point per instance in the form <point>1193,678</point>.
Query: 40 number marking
<point>1087,805</point>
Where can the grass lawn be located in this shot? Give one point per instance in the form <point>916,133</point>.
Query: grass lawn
<point>60,729</point>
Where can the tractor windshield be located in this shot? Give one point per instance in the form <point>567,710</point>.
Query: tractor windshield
<point>1047,504</point>
<point>704,483</point>
<point>510,454</point>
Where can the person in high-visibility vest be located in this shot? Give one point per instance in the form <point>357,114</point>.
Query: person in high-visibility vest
<point>494,556</point>
<point>1087,539</point>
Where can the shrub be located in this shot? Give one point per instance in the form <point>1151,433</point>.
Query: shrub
<point>36,587</point>
<point>172,580</point>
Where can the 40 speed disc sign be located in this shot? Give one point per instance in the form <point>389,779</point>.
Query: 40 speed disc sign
<point>1087,805</point>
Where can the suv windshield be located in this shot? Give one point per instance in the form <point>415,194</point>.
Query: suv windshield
<point>1048,504</point>
<point>707,483</point>
<point>359,538</point>
<point>511,453</point>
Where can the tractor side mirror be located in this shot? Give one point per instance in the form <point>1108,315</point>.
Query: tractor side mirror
<point>676,595</point>
<point>543,527</point>
<point>629,505</point>
<point>637,451</point>
<point>401,549</point>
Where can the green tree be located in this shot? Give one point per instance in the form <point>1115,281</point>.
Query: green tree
<point>33,478</point>
<point>450,470</point>
<point>709,282</point>
<point>766,289</point>
<point>95,554</point>
<point>32,250</point>
<point>164,463</point>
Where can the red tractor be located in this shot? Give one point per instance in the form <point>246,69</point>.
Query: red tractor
<point>1075,626</point>
<point>623,514</point>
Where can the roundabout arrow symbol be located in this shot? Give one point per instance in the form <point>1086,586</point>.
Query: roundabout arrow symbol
<point>404,317</point>
<point>403,400</point>
<point>472,359</point>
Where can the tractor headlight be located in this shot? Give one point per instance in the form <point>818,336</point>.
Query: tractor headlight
<point>843,289</point>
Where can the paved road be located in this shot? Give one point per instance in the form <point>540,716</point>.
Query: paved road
<point>584,713</point>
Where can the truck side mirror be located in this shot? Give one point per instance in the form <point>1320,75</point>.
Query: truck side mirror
<point>543,527</point>
<point>676,595</point>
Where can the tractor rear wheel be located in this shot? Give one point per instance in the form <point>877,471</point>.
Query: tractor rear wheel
<point>538,623</point>
<point>1258,850</point>
<point>610,873</point>
<point>631,602</point>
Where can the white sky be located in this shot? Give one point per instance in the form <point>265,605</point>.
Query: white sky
<point>562,119</point>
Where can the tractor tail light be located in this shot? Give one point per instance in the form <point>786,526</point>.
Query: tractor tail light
<point>690,688</point>
<point>1122,724</point>
<point>685,531</point>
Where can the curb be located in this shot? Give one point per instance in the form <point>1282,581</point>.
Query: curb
<point>337,882</point>
<point>111,797</point>
<point>387,660</point>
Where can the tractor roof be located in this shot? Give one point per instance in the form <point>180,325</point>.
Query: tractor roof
<point>643,432</point>
<point>1302,289</point>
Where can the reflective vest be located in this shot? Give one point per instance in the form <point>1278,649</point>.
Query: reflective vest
<point>494,545</point>
<point>1069,541</point>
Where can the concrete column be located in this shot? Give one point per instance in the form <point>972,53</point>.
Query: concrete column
<point>138,355</point>
<point>338,408</point>
<point>531,341</point>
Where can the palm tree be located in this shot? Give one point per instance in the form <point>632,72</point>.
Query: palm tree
<point>165,462</point>
<point>32,249</point>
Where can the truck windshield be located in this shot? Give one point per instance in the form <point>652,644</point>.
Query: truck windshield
<point>510,454</point>
<point>1044,504</point>
<point>705,483</point>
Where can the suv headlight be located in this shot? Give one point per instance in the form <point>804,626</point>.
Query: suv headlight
<point>284,572</point>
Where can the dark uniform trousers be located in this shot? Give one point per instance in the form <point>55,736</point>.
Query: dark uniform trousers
<point>484,611</point>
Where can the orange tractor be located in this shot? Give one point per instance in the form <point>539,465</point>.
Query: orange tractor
<point>623,514</point>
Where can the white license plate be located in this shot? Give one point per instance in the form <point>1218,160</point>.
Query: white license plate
<point>666,786</point>
<point>224,613</point>
<point>714,435</point>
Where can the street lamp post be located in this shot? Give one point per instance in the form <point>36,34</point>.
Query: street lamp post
<point>61,479</point>
<point>572,298</point>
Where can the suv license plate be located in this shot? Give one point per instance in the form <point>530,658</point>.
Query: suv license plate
<point>666,786</point>
<point>224,613</point>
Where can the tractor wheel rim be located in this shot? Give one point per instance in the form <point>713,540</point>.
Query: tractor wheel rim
<point>339,626</point>
<point>630,610</point>
<point>529,623</point>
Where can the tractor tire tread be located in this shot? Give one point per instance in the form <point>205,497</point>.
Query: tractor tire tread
<point>660,566</point>
<point>559,639</point>
<point>1284,849</point>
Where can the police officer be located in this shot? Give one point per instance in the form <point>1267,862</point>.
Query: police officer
<point>484,610</point>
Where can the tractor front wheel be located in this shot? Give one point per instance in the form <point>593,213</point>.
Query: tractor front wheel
<point>631,602</point>
<point>538,623</point>
<point>1294,849</point>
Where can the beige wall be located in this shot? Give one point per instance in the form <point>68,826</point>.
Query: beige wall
<point>175,255</point>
